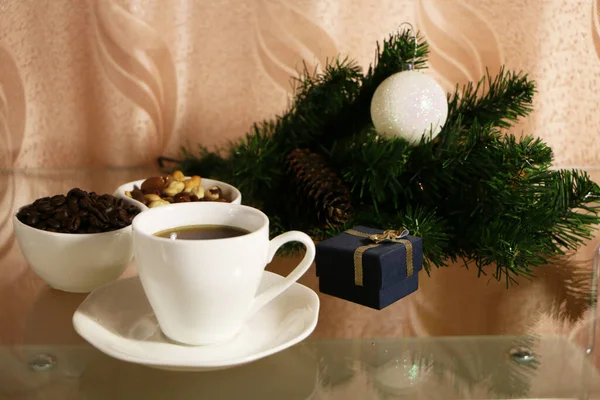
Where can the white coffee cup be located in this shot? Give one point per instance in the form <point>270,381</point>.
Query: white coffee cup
<point>203,291</point>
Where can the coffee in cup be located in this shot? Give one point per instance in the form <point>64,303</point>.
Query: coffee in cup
<point>202,232</point>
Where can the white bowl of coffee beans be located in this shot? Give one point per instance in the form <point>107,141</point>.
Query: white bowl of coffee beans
<point>176,188</point>
<point>78,241</point>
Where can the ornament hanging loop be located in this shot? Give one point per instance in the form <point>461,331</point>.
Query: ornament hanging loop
<point>411,65</point>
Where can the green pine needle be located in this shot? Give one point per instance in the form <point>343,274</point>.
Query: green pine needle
<point>474,193</point>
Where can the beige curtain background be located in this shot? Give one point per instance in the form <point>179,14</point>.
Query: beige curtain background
<point>119,82</point>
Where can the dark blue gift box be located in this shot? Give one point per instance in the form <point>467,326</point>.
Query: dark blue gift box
<point>385,277</point>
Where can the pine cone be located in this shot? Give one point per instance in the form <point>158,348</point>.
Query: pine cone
<point>320,186</point>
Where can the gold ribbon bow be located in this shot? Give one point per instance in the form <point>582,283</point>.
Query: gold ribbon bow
<point>393,236</point>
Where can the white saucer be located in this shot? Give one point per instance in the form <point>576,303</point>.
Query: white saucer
<point>118,320</point>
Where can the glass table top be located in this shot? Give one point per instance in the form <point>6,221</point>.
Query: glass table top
<point>458,336</point>
<point>403,368</point>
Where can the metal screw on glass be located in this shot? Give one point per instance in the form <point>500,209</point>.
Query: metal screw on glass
<point>522,355</point>
<point>42,362</point>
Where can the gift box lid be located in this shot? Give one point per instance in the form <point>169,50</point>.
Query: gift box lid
<point>383,265</point>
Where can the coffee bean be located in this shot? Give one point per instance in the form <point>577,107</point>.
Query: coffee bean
<point>122,215</point>
<point>41,200</point>
<point>61,214</point>
<point>33,219</point>
<point>46,215</point>
<point>62,208</point>
<point>112,215</point>
<point>132,209</point>
<point>85,203</point>
<point>76,192</point>
<point>99,214</point>
<point>78,212</point>
<point>94,221</point>
<point>27,209</point>
<point>73,206</point>
<point>75,223</point>
<point>107,198</point>
<point>58,200</point>
<point>72,224</point>
<point>54,223</point>
<point>23,214</point>
<point>45,206</point>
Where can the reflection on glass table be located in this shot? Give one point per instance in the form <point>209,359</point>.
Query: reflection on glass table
<point>412,368</point>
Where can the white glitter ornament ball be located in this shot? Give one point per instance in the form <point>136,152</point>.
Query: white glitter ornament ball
<point>409,104</point>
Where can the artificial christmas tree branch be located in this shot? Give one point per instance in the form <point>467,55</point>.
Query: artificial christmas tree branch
<point>498,100</point>
<point>474,193</point>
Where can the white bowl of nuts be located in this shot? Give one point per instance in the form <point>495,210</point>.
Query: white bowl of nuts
<point>176,188</point>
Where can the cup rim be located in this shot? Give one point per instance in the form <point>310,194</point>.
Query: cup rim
<point>181,206</point>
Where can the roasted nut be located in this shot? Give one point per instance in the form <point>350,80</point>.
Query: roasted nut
<point>181,198</point>
<point>169,189</point>
<point>174,188</point>
<point>198,192</point>
<point>137,194</point>
<point>214,193</point>
<point>152,184</point>
<point>193,182</point>
<point>152,197</point>
<point>158,203</point>
<point>178,176</point>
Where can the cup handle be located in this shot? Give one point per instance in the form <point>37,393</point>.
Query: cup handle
<point>275,290</point>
